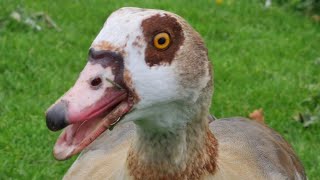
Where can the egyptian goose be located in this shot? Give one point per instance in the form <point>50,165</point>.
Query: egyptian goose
<point>140,110</point>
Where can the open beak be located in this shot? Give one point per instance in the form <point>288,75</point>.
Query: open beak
<point>97,101</point>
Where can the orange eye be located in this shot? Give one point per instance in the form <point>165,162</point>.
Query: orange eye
<point>161,41</point>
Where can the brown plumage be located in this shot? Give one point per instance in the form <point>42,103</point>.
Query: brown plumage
<point>165,130</point>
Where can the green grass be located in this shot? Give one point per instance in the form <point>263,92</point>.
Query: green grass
<point>262,58</point>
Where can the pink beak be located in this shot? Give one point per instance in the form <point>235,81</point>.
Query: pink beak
<point>97,100</point>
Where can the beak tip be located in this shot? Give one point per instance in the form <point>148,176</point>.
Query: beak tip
<point>56,117</point>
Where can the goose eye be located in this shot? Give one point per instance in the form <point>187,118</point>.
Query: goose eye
<point>161,41</point>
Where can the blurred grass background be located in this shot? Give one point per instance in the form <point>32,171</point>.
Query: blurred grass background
<point>263,58</point>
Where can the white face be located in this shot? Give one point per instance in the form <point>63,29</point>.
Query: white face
<point>156,85</point>
<point>153,85</point>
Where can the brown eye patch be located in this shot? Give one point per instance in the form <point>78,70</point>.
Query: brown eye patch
<point>158,24</point>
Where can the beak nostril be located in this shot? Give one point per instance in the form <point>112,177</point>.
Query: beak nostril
<point>96,82</point>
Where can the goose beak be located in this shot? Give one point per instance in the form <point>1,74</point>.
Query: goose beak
<point>96,102</point>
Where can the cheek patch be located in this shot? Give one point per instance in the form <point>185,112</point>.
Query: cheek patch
<point>158,24</point>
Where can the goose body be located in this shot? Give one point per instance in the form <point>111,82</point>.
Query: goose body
<point>140,110</point>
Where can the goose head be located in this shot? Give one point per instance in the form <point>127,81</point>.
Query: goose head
<point>146,66</point>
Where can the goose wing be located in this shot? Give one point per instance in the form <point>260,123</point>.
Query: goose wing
<point>252,149</point>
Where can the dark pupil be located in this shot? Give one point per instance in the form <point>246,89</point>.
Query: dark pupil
<point>161,41</point>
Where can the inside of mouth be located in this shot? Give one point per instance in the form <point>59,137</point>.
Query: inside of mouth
<point>76,137</point>
<point>75,133</point>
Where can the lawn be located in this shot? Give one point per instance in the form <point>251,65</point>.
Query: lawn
<point>263,58</point>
